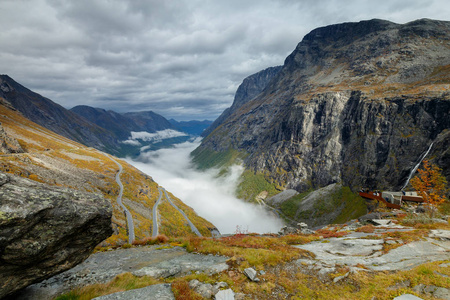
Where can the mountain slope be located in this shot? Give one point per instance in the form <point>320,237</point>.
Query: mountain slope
<point>115,122</point>
<point>50,115</point>
<point>149,121</point>
<point>58,161</point>
<point>357,103</point>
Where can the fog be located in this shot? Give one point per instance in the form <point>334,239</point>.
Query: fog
<point>212,197</point>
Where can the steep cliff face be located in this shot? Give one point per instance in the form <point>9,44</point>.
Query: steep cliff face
<point>247,90</point>
<point>356,103</point>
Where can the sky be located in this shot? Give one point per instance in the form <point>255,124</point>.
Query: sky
<point>211,196</point>
<point>183,59</point>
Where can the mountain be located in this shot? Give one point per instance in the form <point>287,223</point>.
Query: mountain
<point>53,116</point>
<point>114,122</point>
<point>354,103</point>
<point>193,127</point>
<point>122,124</point>
<point>247,90</point>
<point>59,199</point>
<point>149,121</point>
<point>56,161</point>
<point>95,127</point>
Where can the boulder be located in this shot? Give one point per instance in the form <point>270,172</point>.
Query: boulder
<point>285,230</point>
<point>225,295</point>
<point>45,230</point>
<point>251,274</point>
<point>157,291</point>
<point>207,290</point>
<point>407,297</point>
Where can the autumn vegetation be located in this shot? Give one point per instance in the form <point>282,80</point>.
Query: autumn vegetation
<point>431,184</point>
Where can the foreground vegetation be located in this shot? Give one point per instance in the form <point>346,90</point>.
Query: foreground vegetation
<point>280,279</point>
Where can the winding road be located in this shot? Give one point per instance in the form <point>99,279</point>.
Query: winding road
<point>155,231</point>
<point>130,224</point>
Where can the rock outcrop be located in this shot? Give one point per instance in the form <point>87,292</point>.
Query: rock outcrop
<point>8,144</point>
<point>247,90</point>
<point>101,267</point>
<point>356,103</point>
<point>46,230</point>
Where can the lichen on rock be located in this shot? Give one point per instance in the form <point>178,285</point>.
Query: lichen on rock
<point>45,230</point>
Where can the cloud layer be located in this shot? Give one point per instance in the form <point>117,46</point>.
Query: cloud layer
<point>212,197</point>
<point>183,59</point>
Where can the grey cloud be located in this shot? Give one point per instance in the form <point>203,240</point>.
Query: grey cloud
<point>183,59</point>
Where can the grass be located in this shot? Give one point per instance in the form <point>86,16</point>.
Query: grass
<point>289,207</point>
<point>354,205</point>
<point>275,255</point>
<point>205,158</point>
<point>182,291</point>
<point>254,251</point>
<point>253,184</point>
<point>120,283</point>
<point>350,204</point>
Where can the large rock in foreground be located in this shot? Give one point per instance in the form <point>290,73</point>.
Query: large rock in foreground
<point>45,230</point>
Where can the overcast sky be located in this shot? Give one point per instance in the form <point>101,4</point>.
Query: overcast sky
<point>182,59</point>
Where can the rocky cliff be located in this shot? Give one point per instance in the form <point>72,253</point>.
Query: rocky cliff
<point>247,90</point>
<point>46,230</point>
<point>356,103</point>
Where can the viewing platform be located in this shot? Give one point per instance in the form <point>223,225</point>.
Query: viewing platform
<point>392,199</point>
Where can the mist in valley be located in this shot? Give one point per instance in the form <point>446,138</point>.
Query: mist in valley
<point>212,197</point>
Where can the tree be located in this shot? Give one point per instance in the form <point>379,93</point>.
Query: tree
<point>430,183</point>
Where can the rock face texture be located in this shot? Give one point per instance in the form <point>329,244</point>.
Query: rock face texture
<point>8,144</point>
<point>102,267</point>
<point>45,230</point>
<point>357,103</point>
<point>249,89</point>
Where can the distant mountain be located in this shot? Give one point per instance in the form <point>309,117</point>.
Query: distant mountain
<point>135,131</point>
<point>247,90</point>
<point>122,124</point>
<point>108,131</point>
<point>191,127</point>
<point>53,116</point>
<point>149,121</point>
<point>110,120</point>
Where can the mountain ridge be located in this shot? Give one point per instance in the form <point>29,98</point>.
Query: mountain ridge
<point>356,103</point>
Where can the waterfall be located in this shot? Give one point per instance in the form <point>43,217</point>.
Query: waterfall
<point>416,166</point>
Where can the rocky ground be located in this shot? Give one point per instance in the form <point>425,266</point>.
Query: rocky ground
<point>101,267</point>
<point>349,250</point>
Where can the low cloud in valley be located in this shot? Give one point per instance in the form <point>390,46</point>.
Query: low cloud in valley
<point>212,197</point>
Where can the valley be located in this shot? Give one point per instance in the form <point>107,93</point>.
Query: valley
<point>298,190</point>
